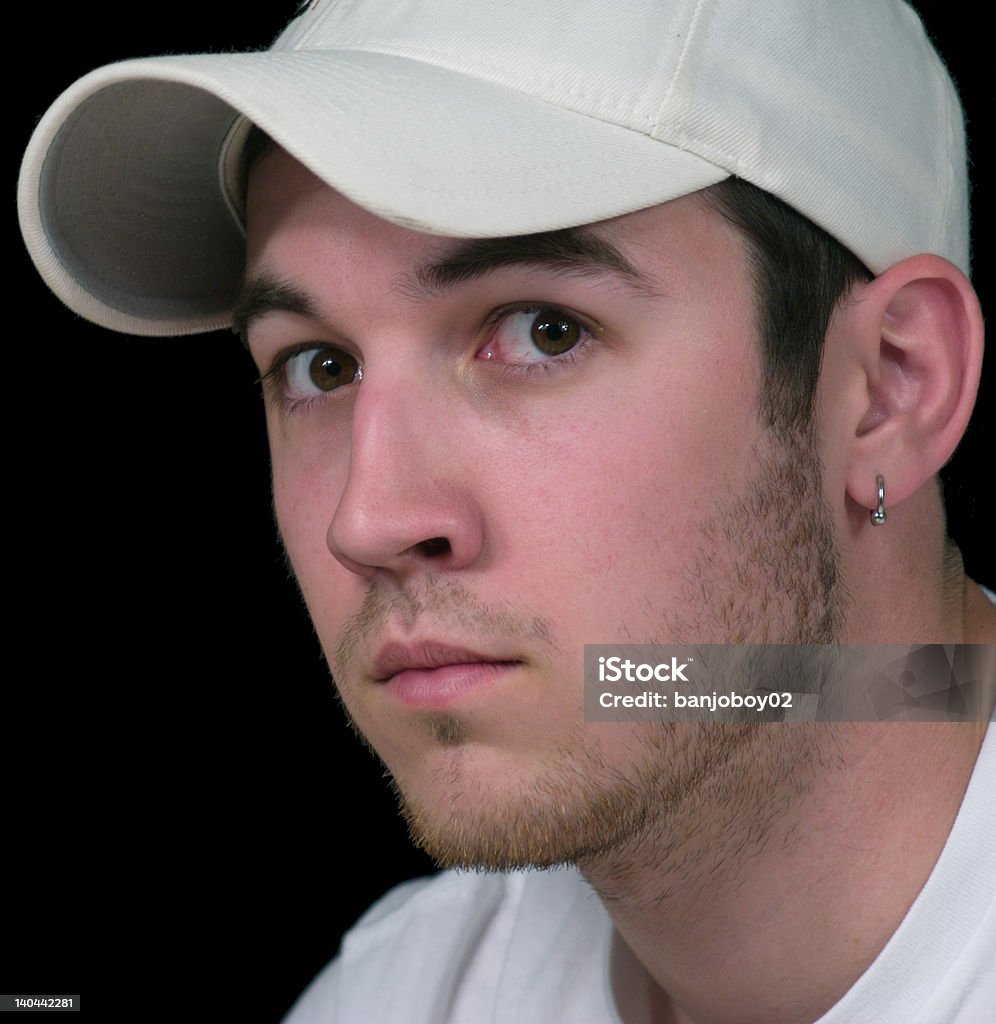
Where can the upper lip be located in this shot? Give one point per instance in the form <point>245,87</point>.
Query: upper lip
<point>393,658</point>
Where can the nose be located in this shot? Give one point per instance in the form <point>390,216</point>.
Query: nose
<point>407,505</point>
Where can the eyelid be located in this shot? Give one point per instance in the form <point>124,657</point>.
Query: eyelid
<point>590,328</point>
<point>529,306</point>
<point>284,356</point>
<point>274,379</point>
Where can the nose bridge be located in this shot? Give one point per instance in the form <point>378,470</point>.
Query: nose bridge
<point>392,436</point>
<point>404,501</point>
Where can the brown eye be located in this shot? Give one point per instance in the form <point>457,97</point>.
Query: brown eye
<point>553,332</point>
<point>315,371</point>
<point>535,335</point>
<point>330,369</point>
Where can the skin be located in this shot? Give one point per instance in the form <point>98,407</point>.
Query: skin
<point>471,493</point>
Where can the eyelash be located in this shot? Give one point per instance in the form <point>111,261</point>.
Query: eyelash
<point>552,363</point>
<point>274,380</point>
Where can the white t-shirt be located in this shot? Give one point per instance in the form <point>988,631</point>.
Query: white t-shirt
<point>532,947</point>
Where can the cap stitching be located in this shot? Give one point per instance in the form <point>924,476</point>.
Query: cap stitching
<point>655,124</point>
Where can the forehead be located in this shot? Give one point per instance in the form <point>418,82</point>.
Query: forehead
<point>288,208</point>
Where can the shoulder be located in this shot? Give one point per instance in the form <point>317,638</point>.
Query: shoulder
<point>447,941</point>
<point>430,915</point>
<point>938,966</point>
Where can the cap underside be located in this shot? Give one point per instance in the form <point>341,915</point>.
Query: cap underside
<point>131,227</point>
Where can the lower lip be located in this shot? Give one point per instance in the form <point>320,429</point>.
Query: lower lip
<point>435,688</point>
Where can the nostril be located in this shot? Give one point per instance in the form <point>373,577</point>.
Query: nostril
<point>433,547</point>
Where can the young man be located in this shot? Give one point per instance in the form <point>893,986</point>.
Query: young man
<point>537,376</point>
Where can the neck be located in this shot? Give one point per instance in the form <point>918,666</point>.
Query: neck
<point>769,907</point>
<point>771,887</point>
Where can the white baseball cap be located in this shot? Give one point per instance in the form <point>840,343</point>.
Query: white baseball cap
<point>479,118</point>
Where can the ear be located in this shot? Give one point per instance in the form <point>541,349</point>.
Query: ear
<point>919,345</point>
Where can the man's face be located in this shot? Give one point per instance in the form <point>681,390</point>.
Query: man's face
<point>486,456</point>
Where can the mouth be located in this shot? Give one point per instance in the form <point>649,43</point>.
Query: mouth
<point>432,676</point>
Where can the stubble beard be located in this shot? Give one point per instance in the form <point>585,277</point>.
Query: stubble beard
<point>766,572</point>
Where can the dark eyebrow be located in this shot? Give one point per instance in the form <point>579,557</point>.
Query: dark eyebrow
<point>262,294</point>
<point>572,250</point>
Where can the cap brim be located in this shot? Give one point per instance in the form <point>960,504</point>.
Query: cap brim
<point>122,198</point>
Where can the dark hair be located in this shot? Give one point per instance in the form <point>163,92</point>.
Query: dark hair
<point>257,145</point>
<point>801,274</point>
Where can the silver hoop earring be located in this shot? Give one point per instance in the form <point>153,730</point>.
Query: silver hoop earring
<point>877,514</point>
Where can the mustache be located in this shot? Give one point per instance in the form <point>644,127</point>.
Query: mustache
<point>446,606</point>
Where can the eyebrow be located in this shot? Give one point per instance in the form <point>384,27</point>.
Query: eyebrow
<point>263,293</point>
<point>568,250</point>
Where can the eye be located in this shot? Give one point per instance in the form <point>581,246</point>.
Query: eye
<point>533,335</point>
<point>315,371</point>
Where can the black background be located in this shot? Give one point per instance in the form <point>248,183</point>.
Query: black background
<point>187,819</point>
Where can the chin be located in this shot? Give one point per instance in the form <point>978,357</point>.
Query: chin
<point>478,809</point>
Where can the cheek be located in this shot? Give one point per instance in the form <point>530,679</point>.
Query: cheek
<point>633,465</point>
<point>604,504</point>
<point>308,479</point>
<point>309,456</point>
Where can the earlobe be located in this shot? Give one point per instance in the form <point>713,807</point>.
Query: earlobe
<point>922,357</point>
